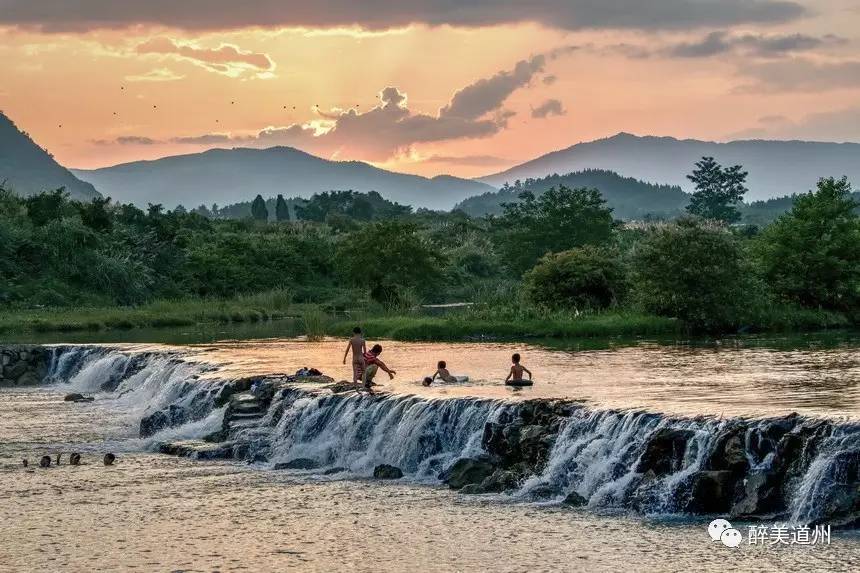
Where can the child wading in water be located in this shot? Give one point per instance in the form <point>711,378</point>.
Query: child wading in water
<point>517,369</point>
<point>359,348</point>
<point>372,366</point>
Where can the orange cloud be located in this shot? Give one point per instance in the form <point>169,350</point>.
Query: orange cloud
<point>226,59</point>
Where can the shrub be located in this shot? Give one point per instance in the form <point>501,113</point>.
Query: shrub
<point>696,271</point>
<point>584,278</point>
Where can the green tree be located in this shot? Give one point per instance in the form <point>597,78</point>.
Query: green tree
<point>559,220</point>
<point>718,191</point>
<point>258,209</point>
<point>811,254</point>
<point>95,214</point>
<point>282,210</point>
<point>46,207</point>
<point>583,278</point>
<point>694,270</point>
<point>388,258</point>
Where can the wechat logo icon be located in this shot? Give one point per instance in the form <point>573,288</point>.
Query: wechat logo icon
<point>721,530</point>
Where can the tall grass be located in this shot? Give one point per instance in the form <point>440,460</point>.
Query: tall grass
<point>314,323</point>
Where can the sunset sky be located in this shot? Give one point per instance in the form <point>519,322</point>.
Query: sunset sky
<point>428,87</point>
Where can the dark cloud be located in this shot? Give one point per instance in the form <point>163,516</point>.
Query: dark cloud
<point>474,111</point>
<point>548,108</point>
<point>63,15</point>
<point>549,80</point>
<point>839,125</point>
<point>801,75</point>
<point>128,140</point>
<point>721,42</point>
<point>226,59</point>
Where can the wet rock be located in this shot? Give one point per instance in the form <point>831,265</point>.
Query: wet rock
<point>535,444</point>
<point>75,397</point>
<point>298,464</point>
<point>75,459</point>
<point>109,459</point>
<point>171,416</point>
<point>385,471</point>
<point>468,471</point>
<point>574,499</point>
<point>25,462</point>
<point>729,452</point>
<point>841,504</point>
<point>15,370</point>
<point>28,379</point>
<point>344,386</point>
<point>543,491</point>
<point>197,449</point>
<point>711,491</point>
<point>760,495</point>
<point>471,489</point>
<point>45,462</point>
<point>664,452</point>
<point>335,470</point>
<point>499,481</point>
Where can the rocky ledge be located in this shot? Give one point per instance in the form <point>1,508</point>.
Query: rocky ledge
<point>23,365</point>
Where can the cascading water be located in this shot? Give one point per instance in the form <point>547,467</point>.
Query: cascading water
<point>793,468</point>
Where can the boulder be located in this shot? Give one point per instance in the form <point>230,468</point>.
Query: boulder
<point>543,491</point>
<point>729,452</point>
<point>500,480</point>
<point>468,471</point>
<point>28,379</point>
<point>385,471</point>
<point>760,495</point>
<point>471,489</point>
<point>109,459</point>
<point>74,397</point>
<point>15,370</point>
<point>335,470</point>
<point>664,452</point>
<point>171,416</point>
<point>711,491</point>
<point>535,443</point>
<point>574,499</point>
<point>298,464</point>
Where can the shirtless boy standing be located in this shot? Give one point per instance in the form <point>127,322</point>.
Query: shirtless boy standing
<point>359,348</point>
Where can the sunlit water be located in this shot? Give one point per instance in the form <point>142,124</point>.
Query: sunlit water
<point>719,379</point>
<point>158,513</point>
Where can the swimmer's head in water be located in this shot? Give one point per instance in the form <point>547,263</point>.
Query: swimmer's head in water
<point>376,349</point>
<point>515,358</point>
<point>442,364</point>
<point>427,381</point>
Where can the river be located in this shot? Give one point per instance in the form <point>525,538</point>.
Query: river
<point>152,512</point>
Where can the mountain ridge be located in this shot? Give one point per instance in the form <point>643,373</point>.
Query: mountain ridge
<point>26,168</point>
<point>776,167</point>
<point>231,175</point>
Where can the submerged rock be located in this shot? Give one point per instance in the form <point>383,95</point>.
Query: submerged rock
<point>467,471</point>
<point>298,464</point>
<point>385,471</point>
<point>574,499</point>
<point>335,470</point>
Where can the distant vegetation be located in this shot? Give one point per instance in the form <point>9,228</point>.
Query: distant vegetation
<point>555,262</point>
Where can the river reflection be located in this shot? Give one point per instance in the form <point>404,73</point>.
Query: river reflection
<point>751,378</point>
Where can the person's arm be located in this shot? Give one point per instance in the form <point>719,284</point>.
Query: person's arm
<point>385,368</point>
<point>435,374</point>
<point>528,371</point>
<point>510,374</point>
<point>345,354</point>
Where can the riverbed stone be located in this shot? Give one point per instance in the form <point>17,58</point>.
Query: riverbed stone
<point>573,499</point>
<point>711,491</point>
<point>298,464</point>
<point>385,471</point>
<point>664,452</point>
<point>468,471</point>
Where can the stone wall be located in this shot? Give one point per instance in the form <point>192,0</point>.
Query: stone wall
<point>22,365</point>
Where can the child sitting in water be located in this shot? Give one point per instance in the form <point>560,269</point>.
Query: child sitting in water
<point>372,366</point>
<point>443,374</point>
<point>517,369</point>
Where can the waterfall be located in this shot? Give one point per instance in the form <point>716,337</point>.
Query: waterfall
<point>802,470</point>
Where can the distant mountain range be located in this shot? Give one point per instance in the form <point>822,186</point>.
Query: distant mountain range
<point>628,197</point>
<point>776,168</point>
<point>26,168</point>
<point>233,175</point>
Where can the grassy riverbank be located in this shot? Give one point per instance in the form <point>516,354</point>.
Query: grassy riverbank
<point>481,322</point>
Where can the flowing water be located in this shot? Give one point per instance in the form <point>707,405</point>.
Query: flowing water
<point>152,512</point>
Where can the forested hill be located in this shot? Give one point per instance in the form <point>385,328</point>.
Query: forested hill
<point>629,198</point>
<point>26,168</point>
